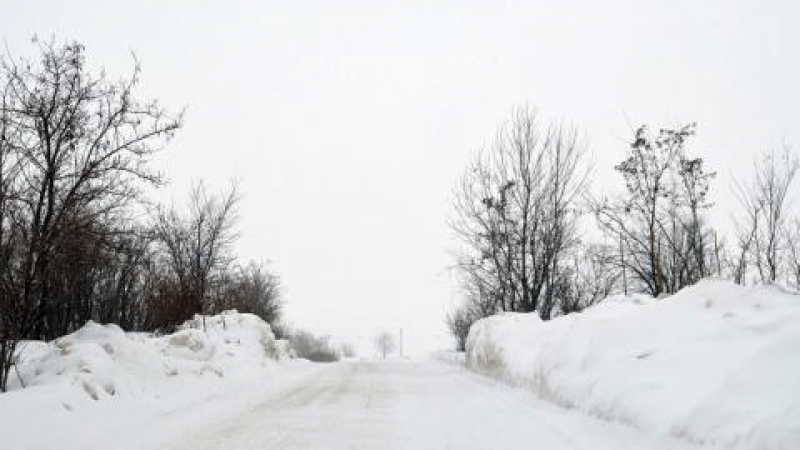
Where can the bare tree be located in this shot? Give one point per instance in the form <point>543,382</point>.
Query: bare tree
<point>792,239</point>
<point>691,196</point>
<point>458,321</point>
<point>10,167</point>
<point>747,231</point>
<point>516,213</point>
<point>384,343</point>
<point>762,235</point>
<point>74,152</point>
<point>197,246</point>
<point>663,240</point>
<point>85,141</point>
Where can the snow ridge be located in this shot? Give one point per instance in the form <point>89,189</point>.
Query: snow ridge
<point>715,363</point>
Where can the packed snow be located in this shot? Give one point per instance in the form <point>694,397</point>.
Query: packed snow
<point>716,363</point>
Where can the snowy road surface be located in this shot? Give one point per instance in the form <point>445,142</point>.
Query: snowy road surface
<point>407,405</point>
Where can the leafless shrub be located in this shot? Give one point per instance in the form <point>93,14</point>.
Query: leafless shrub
<point>593,275</point>
<point>311,347</point>
<point>248,289</point>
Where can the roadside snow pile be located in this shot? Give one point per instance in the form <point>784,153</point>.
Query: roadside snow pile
<point>103,361</point>
<point>101,387</point>
<point>715,363</point>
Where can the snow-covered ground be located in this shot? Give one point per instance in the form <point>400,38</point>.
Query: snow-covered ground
<point>231,387</point>
<point>714,363</point>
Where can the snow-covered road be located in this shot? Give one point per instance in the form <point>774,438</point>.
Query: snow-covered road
<point>407,405</point>
<point>713,364</point>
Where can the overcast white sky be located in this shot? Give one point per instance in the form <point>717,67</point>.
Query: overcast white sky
<point>348,123</point>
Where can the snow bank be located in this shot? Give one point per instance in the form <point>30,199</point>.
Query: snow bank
<point>101,387</point>
<point>98,362</point>
<point>715,363</point>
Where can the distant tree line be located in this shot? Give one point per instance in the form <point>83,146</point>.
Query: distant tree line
<point>78,240</point>
<point>523,205</point>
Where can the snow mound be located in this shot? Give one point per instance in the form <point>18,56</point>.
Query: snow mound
<point>715,363</point>
<point>103,361</point>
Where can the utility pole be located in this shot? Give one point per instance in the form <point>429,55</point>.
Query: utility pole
<point>401,343</point>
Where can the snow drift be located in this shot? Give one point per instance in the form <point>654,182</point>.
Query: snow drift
<point>104,361</point>
<point>101,387</point>
<point>715,363</point>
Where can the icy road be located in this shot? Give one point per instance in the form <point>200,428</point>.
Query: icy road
<point>407,405</point>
